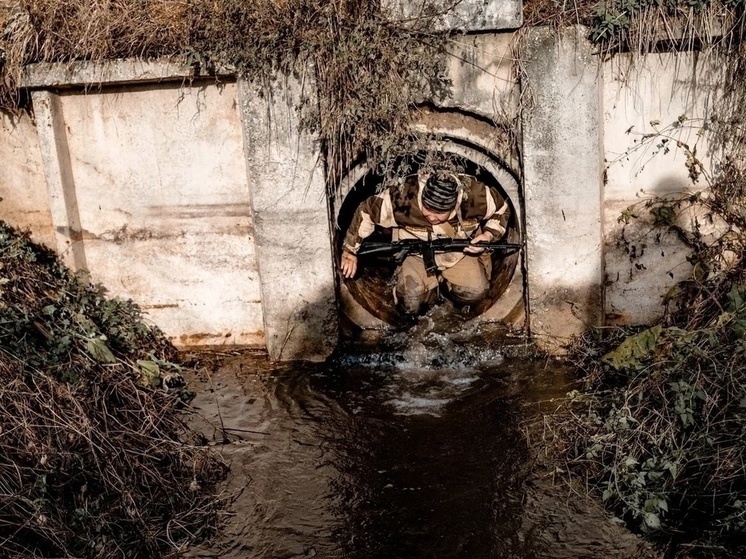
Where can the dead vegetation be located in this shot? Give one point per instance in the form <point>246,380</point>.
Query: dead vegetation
<point>643,26</point>
<point>95,460</point>
<point>363,70</point>
<point>657,430</point>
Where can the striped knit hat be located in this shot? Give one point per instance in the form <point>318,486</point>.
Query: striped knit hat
<point>440,193</point>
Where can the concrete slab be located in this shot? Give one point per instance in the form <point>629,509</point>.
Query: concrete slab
<point>651,105</point>
<point>165,215</point>
<point>481,68</point>
<point>291,223</point>
<point>24,200</point>
<point>465,15</point>
<point>93,74</point>
<point>562,180</point>
<point>63,203</point>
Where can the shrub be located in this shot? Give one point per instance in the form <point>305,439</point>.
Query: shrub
<point>95,460</point>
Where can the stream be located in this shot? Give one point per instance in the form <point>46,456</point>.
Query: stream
<point>423,449</point>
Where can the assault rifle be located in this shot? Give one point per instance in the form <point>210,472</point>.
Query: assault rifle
<point>401,249</point>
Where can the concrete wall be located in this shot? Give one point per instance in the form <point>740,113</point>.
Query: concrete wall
<point>469,15</point>
<point>176,195</point>
<point>167,197</point>
<point>482,71</point>
<point>24,202</point>
<point>292,226</point>
<point>644,100</point>
<point>562,141</point>
<point>202,202</point>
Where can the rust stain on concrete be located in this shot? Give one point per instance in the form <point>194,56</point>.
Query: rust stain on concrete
<point>205,340</point>
<point>160,306</point>
<point>195,211</point>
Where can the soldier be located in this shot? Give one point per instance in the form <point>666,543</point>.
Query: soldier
<point>427,207</point>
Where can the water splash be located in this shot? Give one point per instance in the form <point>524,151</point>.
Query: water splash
<point>426,367</point>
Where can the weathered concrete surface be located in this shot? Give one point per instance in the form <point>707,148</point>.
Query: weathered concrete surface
<point>94,74</point>
<point>466,15</point>
<point>160,183</point>
<point>291,224</point>
<point>24,202</point>
<point>647,96</point>
<point>166,215</point>
<point>63,204</point>
<point>562,178</point>
<point>481,69</point>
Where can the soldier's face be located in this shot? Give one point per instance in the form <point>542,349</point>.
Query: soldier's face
<point>435,218</point>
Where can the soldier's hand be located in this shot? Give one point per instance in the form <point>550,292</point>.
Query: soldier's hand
<point>486,237</point>
<point>348,264</point>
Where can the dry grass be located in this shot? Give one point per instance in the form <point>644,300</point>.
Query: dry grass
<point>559,13</point>
<point>95,460</point>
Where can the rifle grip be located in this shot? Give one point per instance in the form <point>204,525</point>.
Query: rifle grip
<point>401,255</point>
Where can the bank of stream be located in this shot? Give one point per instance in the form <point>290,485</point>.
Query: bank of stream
<point>424,450</point>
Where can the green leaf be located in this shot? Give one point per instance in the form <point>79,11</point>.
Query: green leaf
<point>628,214</point>
<point>663,215</point>
<point>150,372</point>
<point>100,351</point>
<point>739,328</point>
<point>737,300</point>
<point>627,355</point>
<point>651,520</point>
<point>737,307</point>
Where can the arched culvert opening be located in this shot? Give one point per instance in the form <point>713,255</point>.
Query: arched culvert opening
<point>367,299</point>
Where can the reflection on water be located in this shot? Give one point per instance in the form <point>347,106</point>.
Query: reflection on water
<point>394,455</point>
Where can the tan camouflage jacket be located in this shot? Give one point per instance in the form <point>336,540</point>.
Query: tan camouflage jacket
<point>400,207</point>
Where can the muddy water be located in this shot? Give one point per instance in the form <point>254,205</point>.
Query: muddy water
<point>417,451</point>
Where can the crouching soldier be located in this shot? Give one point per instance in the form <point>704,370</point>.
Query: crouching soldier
<point>427,207</point>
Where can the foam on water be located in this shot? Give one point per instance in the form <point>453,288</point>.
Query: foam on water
<point>407,404</point>
<point>426,391</point>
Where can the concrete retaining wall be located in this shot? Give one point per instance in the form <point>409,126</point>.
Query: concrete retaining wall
<point>24,201</point>
<point>175,195</point>
<point>562,141</point>
<point>291,224</point>
<point>203,203</point>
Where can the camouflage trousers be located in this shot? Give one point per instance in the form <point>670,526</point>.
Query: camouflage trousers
<point>465,283</point>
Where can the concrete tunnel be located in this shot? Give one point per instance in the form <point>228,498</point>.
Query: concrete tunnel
<point>478,148</point>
